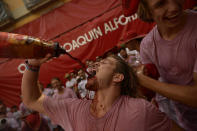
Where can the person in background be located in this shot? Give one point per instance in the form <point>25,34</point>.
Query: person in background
<point>59,91</point>
<point>172,47</point>
<point>73,75</point>
<point>132,60</point>
<point>195,8</point>
<point>71,80</point>
<point>123,54</point>
<point>87,63</point>
<point>6,123</point>
<point>49,91</point>
<point>133,48</point>
<point>91,69</point>
<point>133,44</point>
<point>16,114</point>
<point>81,85</point>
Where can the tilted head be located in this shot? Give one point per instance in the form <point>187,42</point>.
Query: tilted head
<point>114,71</point>
<point>167,13</point>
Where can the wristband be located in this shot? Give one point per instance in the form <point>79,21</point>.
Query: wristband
<point>32,67</point>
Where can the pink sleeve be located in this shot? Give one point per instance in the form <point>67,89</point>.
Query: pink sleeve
<point>144,52</point>
<point>155,119</point>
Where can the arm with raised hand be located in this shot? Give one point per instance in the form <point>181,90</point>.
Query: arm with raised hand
<point>31,94</point>
<point>184,94</point>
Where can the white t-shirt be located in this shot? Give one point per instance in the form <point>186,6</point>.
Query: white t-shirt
<point>71,83</point>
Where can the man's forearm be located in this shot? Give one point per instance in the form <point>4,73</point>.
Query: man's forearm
<point>30,90</point>
<point>183,94</point>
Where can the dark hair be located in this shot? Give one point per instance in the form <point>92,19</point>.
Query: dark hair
<point>129,83</point>
<point>144,11</point>
<point>48,85</point>
<point>122,48</point>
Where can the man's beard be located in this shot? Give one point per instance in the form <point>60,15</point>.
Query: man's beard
<point>92,84</point>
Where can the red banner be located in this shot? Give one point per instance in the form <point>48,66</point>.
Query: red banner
<point>93,39</point>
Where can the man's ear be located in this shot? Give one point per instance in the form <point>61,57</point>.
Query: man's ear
<point>118,77</point>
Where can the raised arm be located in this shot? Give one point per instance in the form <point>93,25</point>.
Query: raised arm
<point>32,97</point>
<point>184,94</point>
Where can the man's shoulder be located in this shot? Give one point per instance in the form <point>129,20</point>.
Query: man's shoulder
<point>134,102</point>
<point>136,106</point>
<point>69,103</point>
<point>139,105</point>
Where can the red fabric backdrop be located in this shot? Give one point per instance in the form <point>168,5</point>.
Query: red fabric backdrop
<point>84,28</point>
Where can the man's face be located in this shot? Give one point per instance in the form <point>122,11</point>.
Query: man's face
<point>104,74</point>
<point>166,13</point>
<point>105,70</point>
<point>55,84</point>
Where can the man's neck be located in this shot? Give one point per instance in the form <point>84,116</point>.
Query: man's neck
<point>103,101</point>
<point>171,33</point>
